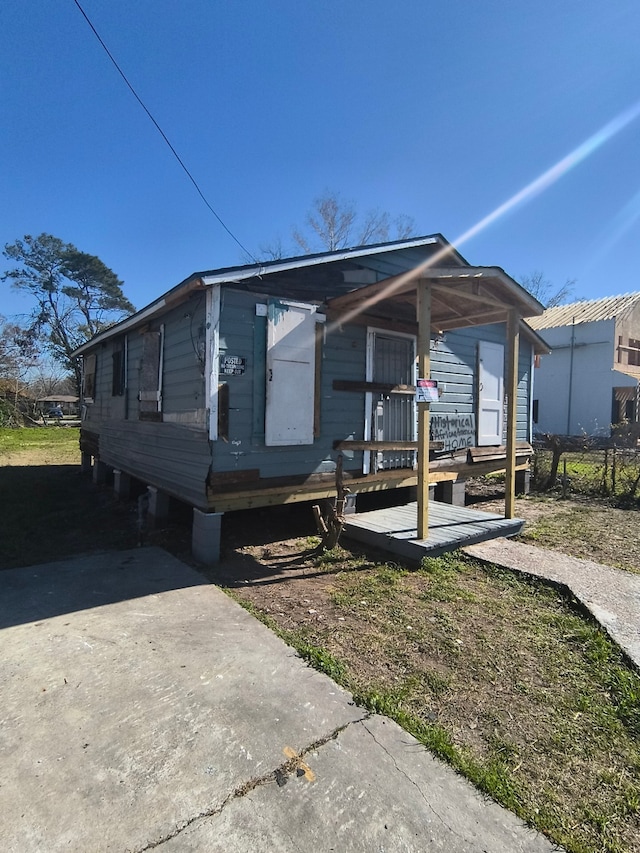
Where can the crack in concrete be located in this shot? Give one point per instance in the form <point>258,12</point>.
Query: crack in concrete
<point>412,781</point>
<point>277,775</point>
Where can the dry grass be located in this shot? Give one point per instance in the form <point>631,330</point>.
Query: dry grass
<point>590,528</point>
<point>502,678</point>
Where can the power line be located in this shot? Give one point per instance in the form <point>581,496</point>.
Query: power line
<point>160,130</point>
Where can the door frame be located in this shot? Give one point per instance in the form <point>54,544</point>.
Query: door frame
<point>489,441</point>
<point>372,331</point>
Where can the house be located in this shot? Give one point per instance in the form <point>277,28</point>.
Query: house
<point>590,381</point>
<point>240,387</point>
<point>68,403</point>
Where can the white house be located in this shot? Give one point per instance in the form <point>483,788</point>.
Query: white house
<point>590,381</point>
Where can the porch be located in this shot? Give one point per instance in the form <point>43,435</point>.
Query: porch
<point>395,529</point>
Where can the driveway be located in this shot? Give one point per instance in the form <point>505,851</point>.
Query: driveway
<point>143,709</point>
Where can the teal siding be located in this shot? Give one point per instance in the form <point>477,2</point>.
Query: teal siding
<point>175,454</point>
<point>454,362</point>
<point>342,414</point>
<point>243,334</point>
<point>183,382</point>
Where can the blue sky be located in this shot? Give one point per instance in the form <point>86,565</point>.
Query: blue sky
<point>439,111</point>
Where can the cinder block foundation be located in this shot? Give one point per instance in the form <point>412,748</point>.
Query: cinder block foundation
<point>523,482</point>
<point>451,492</point>
<point>99,472</point>
<point>205,536</point>
<point>158,504</point>
<point>350,505</point>
<point>121,485</point>
<point>412,492</point>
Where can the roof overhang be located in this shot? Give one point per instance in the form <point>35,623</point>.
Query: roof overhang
<point>631,371</point>
<point>461,297</point>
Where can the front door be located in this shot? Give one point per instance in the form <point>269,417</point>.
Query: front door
<point>490,393</point>
<point>391,417</point>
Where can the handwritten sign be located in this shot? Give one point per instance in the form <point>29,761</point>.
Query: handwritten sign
<point>455,431</point>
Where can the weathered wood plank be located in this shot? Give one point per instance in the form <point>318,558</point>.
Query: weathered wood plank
<point>381,387</point>
<point>356,444</point>
<point>450,527</point>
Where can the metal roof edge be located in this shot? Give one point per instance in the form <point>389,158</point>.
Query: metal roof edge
<point>540,346</point>
<point>241,273</point>
<point>611,308</point>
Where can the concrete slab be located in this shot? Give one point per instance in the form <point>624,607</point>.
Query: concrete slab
<point>611,595</point>
<point>376,789</point>
<point>142,708</point>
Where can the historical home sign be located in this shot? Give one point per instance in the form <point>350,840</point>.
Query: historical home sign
<point>455,431</point>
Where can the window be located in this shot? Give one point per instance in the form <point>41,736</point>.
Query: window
<point>89,377</point>
<point>117,375</point>
<point>535,411</point>
<point>634,352</point>
<point>150,380</point>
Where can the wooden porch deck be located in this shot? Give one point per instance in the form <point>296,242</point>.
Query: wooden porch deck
<point>450,527</point>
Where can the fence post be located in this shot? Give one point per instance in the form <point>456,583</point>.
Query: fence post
<point>613,471</point>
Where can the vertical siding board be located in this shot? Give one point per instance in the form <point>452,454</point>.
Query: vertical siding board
<point>183,386</point>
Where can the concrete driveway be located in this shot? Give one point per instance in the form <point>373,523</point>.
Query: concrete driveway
<point>143,709</point>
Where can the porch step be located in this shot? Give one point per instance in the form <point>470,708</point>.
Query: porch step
<point>450,527</point>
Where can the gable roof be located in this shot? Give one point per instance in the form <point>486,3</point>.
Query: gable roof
<point>361,270</point>
<point>588,311</point>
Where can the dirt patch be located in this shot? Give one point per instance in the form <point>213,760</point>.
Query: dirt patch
<point>500,676</point>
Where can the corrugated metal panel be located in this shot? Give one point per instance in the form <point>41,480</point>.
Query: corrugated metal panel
<point>609,308</point>
<point>174,458</point>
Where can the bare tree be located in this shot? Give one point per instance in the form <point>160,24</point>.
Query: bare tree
<point>334,223</point>
<point>17,357</point>
<point>545,291</point>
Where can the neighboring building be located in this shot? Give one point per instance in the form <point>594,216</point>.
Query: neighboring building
<point>68,403</point>
<point>589,382</point>
<point>240,387</point>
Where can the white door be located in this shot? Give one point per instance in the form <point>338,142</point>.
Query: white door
<point>490,393</point>
<point>290,373</point>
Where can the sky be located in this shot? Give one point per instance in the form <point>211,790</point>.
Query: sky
<point>442,112</point>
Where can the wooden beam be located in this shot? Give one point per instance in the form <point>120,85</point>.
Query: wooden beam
<point>483,298</point>
<point>369,318</point>
<point>424,372</point>
<point>317,390</point>
<point>262,493</point>
<point>513,342</point>
<point>375,387</point>
<point>371,294</point>
<point>355,444</point>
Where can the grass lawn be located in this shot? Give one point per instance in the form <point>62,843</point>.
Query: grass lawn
<point>47,509</point>
<point>503,678</point>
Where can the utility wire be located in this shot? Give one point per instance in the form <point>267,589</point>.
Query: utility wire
<point>160,131</point>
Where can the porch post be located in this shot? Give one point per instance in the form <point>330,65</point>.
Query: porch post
<point>513,342</point>
<point>423,301</point>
